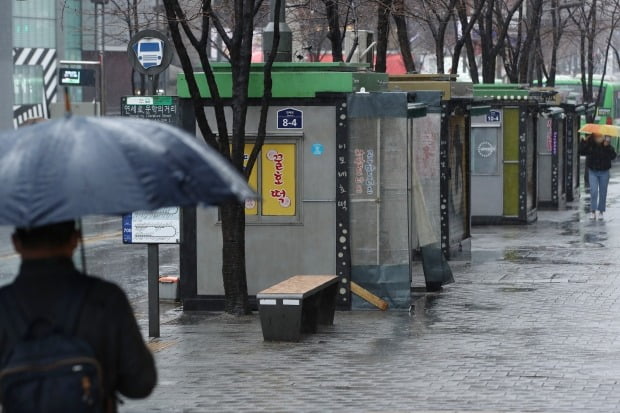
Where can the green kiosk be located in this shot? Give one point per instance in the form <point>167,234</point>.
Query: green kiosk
<point>334,183</point>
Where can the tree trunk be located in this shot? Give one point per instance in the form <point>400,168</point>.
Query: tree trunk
<point>439,43</point>
<point>403,35</point>
<point>555,30</point>
<point>233,266</point>
<point>493,36</point>
<point>590,53</point>
<point>383,33</point>
<point>440,37</point>
<point>485,24</point>
<point>239,44</point>
<point>526,56</point>
<point>334,35</point>
<point>471,60</point>
<point>488,69</point>
<point>465,39</point>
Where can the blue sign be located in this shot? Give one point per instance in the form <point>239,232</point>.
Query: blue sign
<point>494,116</point>
<point>290,119</point>
<point>127,239</point>
<point>317,149</point>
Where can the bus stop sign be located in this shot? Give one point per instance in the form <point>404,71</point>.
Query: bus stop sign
<point>149,52</point>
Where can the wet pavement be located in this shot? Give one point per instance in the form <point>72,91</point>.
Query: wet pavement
<point>531,325</point>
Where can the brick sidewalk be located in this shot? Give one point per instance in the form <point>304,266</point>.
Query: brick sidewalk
<point>531,325</point>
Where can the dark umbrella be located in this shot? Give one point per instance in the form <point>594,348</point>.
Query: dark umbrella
<point>75,166</point>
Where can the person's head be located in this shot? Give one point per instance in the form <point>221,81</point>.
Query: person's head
<point>598,138</point>
<point>48,241</point>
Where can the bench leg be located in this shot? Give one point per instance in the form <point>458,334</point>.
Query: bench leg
<point>310,314</point>
<point>281,322</point>
<point>327,305</point>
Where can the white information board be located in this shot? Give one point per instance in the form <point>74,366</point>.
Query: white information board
<point>161,226</point>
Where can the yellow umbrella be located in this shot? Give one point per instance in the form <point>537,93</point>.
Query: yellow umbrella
<point>609,130</point>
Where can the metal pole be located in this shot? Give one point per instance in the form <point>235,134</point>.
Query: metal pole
<point>102,58</point>
<point>95,40</point>
<point>153,289</point>
<point>154,84</point>
<point>6,65</point>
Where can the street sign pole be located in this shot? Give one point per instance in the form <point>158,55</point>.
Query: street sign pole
<point>153,288</point>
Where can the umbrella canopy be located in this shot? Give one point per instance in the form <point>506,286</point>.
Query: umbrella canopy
<point>609,130</point>
<point>74,166</point>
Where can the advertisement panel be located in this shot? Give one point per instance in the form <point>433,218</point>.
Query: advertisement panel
<point>278,179</point>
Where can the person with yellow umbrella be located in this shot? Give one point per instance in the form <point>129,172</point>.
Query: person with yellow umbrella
<point>599,154</point>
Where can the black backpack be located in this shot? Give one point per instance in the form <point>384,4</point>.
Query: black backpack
<point>49,369</point>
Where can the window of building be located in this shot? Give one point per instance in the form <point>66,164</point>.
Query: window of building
<point>28,85</point>
<point>34,23</point>
<point>35,8</point>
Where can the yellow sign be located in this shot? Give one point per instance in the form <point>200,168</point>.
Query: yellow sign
<point>251,206</point>
<point>278,179</point>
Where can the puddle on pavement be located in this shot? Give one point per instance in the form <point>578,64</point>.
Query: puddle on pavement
<point>516,289</point>
<point>520,255</point>
<point>480,307</point>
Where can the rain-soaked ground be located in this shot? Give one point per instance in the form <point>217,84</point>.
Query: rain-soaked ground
<point>531,325</point>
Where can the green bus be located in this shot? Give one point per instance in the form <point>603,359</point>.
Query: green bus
<point>608,111</point>
<point>608,107</point>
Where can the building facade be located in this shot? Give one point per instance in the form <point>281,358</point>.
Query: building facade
<point>36,35</point>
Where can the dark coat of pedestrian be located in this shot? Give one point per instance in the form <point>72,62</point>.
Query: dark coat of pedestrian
<point>106,322</point>
<point>599,154</point>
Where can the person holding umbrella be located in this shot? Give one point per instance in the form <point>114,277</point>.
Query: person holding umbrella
<point>49,292</point>
<point>599,154</point>
<point>52,174</point>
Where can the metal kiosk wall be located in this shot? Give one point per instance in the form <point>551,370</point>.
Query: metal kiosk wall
<point>503,156</point>
<point>551,157</point>
<point>301,223</point>
<point>381,219</point>
<point>443,149</point>
<point>572,159</point>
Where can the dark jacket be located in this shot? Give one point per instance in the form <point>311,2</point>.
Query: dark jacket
<point>107,323</point>
<point>598,156</point>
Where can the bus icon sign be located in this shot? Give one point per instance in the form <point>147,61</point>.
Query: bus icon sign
<point>150,51</point>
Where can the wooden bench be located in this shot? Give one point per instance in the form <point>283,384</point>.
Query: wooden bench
<point>297,305</point>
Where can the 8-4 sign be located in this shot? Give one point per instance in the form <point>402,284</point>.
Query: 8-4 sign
<point>290,118</point>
